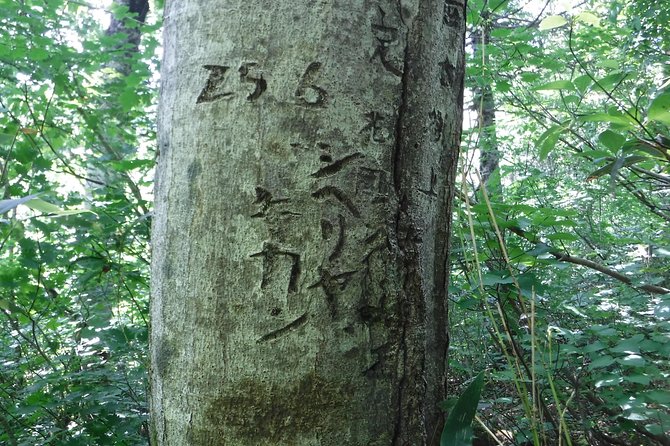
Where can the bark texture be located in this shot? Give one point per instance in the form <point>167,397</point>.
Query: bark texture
<point>301,230</point>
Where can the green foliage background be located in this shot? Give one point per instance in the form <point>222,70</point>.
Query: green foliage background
<point>560,267</point>
<point>78,134</point>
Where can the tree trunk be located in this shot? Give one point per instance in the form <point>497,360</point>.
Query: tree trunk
<point>301,231</point>
<point>484,104</point>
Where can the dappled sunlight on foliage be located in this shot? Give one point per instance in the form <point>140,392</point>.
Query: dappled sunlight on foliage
<point>76,138</point>
<point>560,266</point>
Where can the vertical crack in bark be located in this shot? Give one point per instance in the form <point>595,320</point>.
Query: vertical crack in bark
<point>400,237</point>
<point>400,119</point>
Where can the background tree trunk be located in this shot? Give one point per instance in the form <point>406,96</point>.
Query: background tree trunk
<point>484,105</point>
<point>301,231</point>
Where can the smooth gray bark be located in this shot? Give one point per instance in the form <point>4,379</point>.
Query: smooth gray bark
<point>301,231</point>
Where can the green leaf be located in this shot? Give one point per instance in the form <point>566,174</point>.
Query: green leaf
<point>604,330</point>
<point>588,18</point>
<point>51,209</point>
<point>582,83</point>
<point>6,138</point>
<point>659,110</point>
<point>602,361</point>
<point>128,99</point>
<point>612,140</point>
<point>562,236</point>
<point>630,345</point>
<point>551,22</point>
<point>638,145</point>
<point>594,347</point>
<point>38,54</point>
<point>503,86</point>
<point>613,167</point>
<point>655,429</point>
<point>448,404</point>
<point>556,85</point>
<point>571,99</point>
<point>609,63</point>
<point>490,279</point>
<point>657,396</point>
<point>540,248</point>
<point>635,416</point>
<point>606,117</point>
<point>458,427</point>
<point>610,379</point>
<point>632,361</point>
<point>612,80</point>
<point>546,219</point>
<point>529,77</point>
<point>547,141</point>
<point>638,379</point>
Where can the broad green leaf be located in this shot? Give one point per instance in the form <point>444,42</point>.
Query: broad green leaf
<point>659,110</point>
<point>547,141</point>
<point>576,311</point>
<point>551,22</point>
<point>612,80</point>
<point>630,345</point>
<point>562,236</point>
<point>448,404</point>
<point>540,248</point>
<point>571,99</point>
<point>635,415</point>
<point>500,32</point>
<point>632,361</point>
<point>650,346</point>
<point>611,379</point>
<point>543,219</point>
<point>606,117</point>
<point>613,167</point>
<point>128,99</point>
<point>24,153</point>
<point>601,361</point>
<point>638,379</point>
<point>594,347</point>
<point>637,145</point>
<point>503,86</point>
<point>657,396</point>
<point>556,85</point>
<point>597,155</point>
<point>458,427</point>
<point>529,281</point>
<point>612,140</point>
<point>38,54</point>
<point>490,279</point>
<point>588,18</point>
<point>655,429</point>
<point>51,209</point>
<point>609,63</point>
<point>529,77</point>
<point>604,330</point>
<point>582,83</point>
